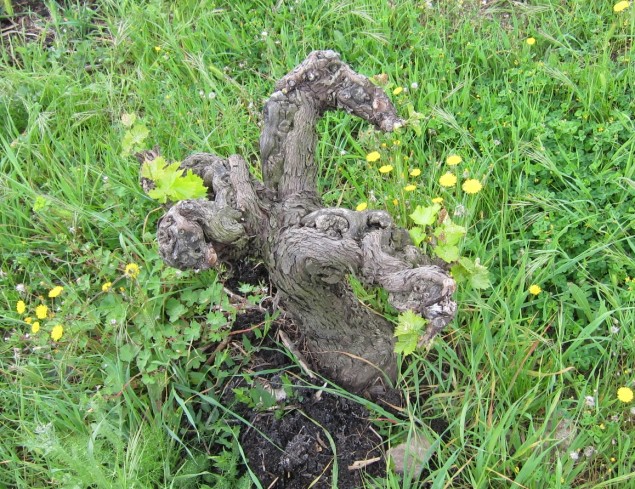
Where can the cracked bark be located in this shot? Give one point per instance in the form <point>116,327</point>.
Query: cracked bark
<point>309,250</point>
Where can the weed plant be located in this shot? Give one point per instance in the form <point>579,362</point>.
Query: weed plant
<point>107,383</point>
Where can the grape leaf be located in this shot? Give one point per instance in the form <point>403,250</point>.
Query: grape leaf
<point>425,216</point>
<point>417,235</point>
<point>188,187</point>
<point>409,328</point>
<point>133,138</point>
<point>472,271</point>
<point>450,233</point>
<point>170,182</point>
<point>448,253</point>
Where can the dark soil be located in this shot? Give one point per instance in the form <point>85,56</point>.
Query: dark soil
<point>309,437</point>
<point>28,21</point>
<point>299,450</point>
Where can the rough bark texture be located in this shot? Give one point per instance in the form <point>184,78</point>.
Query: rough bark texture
<point>310,251</point>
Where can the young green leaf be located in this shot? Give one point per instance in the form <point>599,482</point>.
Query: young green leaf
<point>418,235</point>
<point>425,216</point>
<point>170,182</point>
<point>448,253</point>
<point>409,328</point>
<point>133,138</point>
<point>450,233</point>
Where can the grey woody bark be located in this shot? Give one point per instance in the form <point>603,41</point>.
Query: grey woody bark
<point>309,250</point>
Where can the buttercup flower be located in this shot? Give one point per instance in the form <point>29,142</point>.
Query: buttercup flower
<point>132,270</point>
<point>397,91</point>
<point>106,287</point>
<point>28,320</point>
<point>373,156</point>
<point>437,200</point>
<point>619,6</point>
<point>625,394</point>
<point>55,291</point>
<point>361,206</point>
<point>20,307</point>
<point>415,173</point>
<point>157,48</point>
<point>531,41</point>
<point>535,289</point>
<point>471,186</point>
<point>385,169</point>
<point>453,160</point>
<point>35,327</point>
<point>447,180</point>
<point>57,332</point>
<point>395,201</point>
<point>410,188</point>
<point>41,311</point>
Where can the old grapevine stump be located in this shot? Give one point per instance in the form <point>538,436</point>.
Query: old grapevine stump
<point>309,250</point>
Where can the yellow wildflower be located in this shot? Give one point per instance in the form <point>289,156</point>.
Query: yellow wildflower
<point>28,320</point>
<point>397,91</point>
<point>396,142</point>
<point>471,186</point>
<point>385,169</point>
<point>55,291</point>
<point>373,156</point>
<point>535,289</point>
<point>453,160</point>
<point>361,206</point>
<point>415,173</point>
<point>448,180</point>
<point>619,6</point>
<point>625,394</point>
<point>395,201</point>
<point>41,311</point>
<point>132,270</point>
<point>35,327</point>
<point>531,41</point>
<point>157,48</point>
<point>410,188</point>
<point>57,332</point>
<point>437,200</point>
<point>106,287</point>
<point>20,307</point>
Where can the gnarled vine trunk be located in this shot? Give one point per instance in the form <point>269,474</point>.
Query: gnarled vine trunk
<point>309,250</point>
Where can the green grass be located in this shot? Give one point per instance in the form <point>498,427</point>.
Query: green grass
<point>126,398</point>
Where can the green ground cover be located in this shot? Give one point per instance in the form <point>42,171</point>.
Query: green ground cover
<point>114,389</point>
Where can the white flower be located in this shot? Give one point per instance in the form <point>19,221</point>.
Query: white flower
<point>459,210</point>
<point>211,95</point>
<point>574,456</point>
<point>264,33</point>
<point>414,85</point>
<point>589,451</point>
<point>21,288</point>
<point>589,401</point>
<point>615,329</point>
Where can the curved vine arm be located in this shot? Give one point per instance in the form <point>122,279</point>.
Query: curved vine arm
<point>321,82</point>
